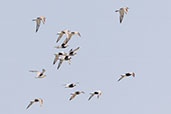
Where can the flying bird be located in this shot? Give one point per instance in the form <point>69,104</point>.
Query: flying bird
<point>39,74</point>
<point>122,11</point>
<point>127,75</point>
<point>61,33</point>
<point>75,93</point>
<point>57,55</point>
<point>72,51</point>
<point>38,22</point>
<point>71,85</point>
<point>98,93</point>
<point>69,35</point>
<point>64,58</point>
<point>35,100</point>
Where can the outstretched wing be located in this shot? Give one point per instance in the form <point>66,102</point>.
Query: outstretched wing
<point>70,50</point>
<point>76,49</point>
<point>43,19</point>
<point>60,62</point>
<point>37,24</point>
<point>31,102</point>
<point>120,78</point>
<point>66,40</point>
<point>56,58</point>
<point>121,15</point>
<point>59,37</point>
<point>91,96</point>
<point>73,95</point>
<point>67,32</point>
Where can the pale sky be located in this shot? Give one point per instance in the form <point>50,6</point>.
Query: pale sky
<point>141,44</point>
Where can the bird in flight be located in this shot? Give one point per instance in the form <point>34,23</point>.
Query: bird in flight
<point>39,74</point>
<point>61,33</point>
<point>69,35</point>
<point>35,100</point>
<point>38,22</point>
<point>127,75</point>
<point>122,11</point>
<point>75,93</point>
<point>72,51</point>
<point>57,55</point>
<point>71,85</point>
<point>98,93</point>
<point>64,58</point>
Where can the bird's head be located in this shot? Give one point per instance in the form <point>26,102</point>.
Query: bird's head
<point>133,74</point>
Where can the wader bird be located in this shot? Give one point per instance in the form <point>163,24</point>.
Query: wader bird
<point>122,11</point>
<point>61,34</point>
<point>72,51</point>
<point>64,58</point>
<point>39,74</point>
<point>71,85</point>
<point>127,75</point>
<point>57,55</point>
<point>98,93</point>
<point>35,100</point>
<point>75,93</point>
<point>38,21</point>
<point>69,35</point>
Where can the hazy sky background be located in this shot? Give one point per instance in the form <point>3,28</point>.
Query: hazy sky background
<point>141,44</point>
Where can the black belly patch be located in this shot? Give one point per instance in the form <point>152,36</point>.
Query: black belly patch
<point>71,85</point>
<point>128,74</point>
<point>96,93</point>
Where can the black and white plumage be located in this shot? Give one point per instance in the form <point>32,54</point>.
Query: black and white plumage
<point>127,74</point>
<point>75,93</point>
<point>64,58</point>
<point>39,74</point>
<point>71,85</point>
<point>35,100</point>
<point>98,93</point>
<point>72,51</point>
<point>57,55</point>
